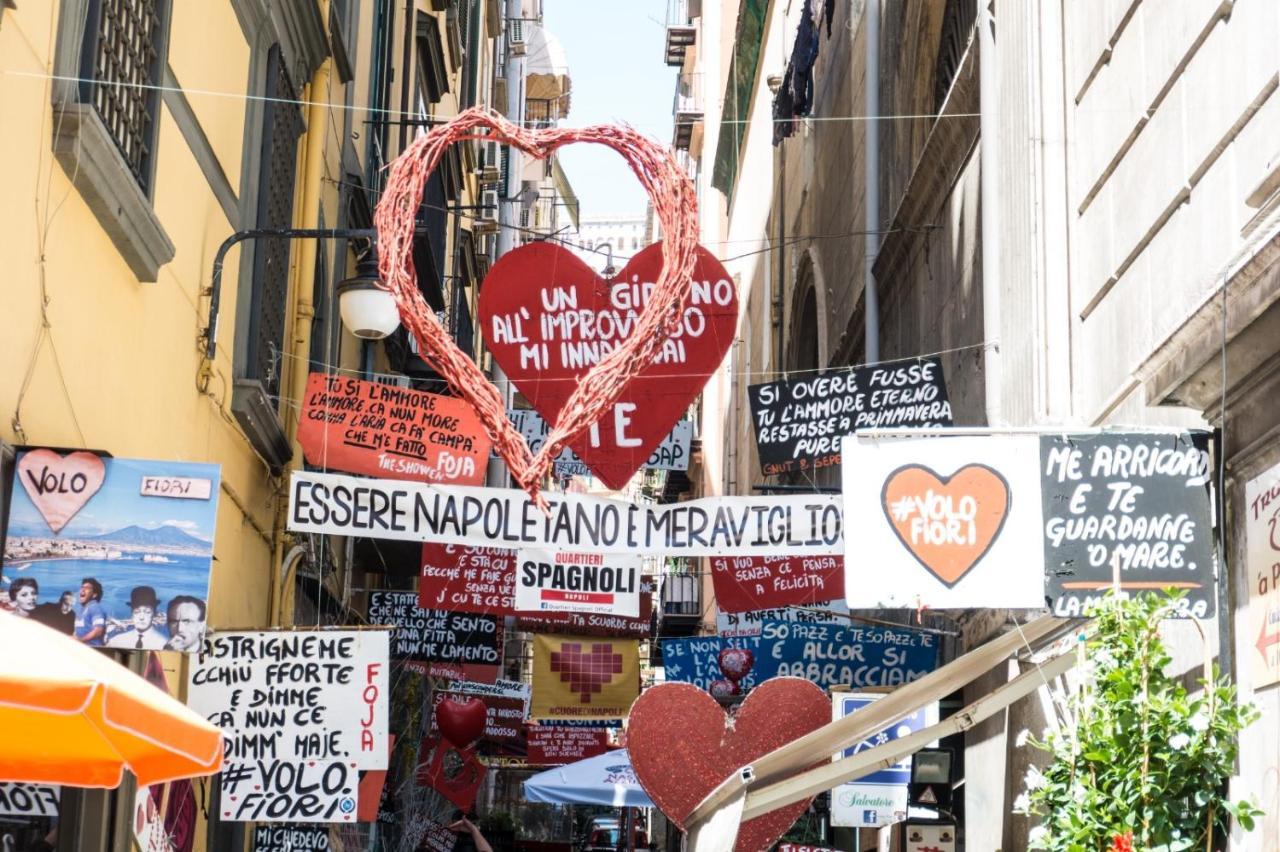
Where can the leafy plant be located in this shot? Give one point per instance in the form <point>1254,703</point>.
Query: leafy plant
<point>1142,766</point>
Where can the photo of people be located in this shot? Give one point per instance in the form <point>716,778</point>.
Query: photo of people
<point>129,569</point>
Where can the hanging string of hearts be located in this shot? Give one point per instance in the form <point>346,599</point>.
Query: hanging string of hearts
<point>675,205</point>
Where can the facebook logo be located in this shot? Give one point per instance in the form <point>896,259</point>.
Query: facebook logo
<point>870,816</point>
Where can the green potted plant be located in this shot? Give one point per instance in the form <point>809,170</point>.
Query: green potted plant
<point>1141,765</point>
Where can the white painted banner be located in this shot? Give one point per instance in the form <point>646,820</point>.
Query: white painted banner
<point>18,799</point>
<point>550,581</point>
<point>334,504</point>
<point>1262,573</point>
<point>671,454</point>
<point>301,713</point>
<point>730,624</point>
<point>946,522</point>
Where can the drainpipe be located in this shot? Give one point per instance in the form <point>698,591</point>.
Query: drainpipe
<point>871,201</point>
<point>988,146</point>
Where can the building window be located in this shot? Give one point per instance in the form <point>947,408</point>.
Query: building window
<point>281,127</point>
<point>121,72</point>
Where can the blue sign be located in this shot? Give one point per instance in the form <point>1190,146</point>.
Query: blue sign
<point>827,654</point>
<point>697,660</point>
<point>851,655</point>
<point>900,772</point>
<point>881,797</point>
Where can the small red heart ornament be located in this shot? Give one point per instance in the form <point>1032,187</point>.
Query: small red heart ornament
<point>736,663</point>
<point>60,486</point>
<point>723,689</point>
<point>548,318</point>
<point>461,722</point>
<point>675,206</point>
<point>713,745</point>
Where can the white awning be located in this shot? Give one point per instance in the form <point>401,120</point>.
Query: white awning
<point>546,69</point>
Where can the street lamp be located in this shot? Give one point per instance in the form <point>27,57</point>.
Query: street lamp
<point>368,311</point>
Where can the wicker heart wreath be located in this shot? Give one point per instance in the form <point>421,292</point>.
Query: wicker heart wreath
<point>674,204</point>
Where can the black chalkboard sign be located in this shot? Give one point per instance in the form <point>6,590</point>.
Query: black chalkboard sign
<point>1139,499</point>
<point>799,422</point>
<point>436,634</point>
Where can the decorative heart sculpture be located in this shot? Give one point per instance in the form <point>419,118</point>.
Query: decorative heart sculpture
<point>461,722</point>
<point>60,486</point>
<point>723,689</point>
<point>548,318</point>
<point>713,745</point>
<point>675,205</point>
<point>947,522</point>
<point>586,673</point>
<point>736,663</point>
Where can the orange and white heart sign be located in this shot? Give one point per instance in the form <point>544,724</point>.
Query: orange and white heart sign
<point>947,522</point>
<point>943,521</point>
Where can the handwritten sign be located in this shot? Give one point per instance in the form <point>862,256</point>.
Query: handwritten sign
<point>290,838</point>
<point>730,624</point>
<point>799,422</point>
<point>745,583</point>
<point>504,728</point>
<point>578,582</point>
<point>1262,573</point>
<point>671,454</point>
<point>300,714</point>
<point>696,660</point>
<point>384,430</point>
<point>29,800</point>
<point>556,745</point>
<point>467,579</point>
<point>502,517</point>
<point>181,487</point>
<point>434,836</point>
<point>595,624</point>
<point>1141,499</point>
<point>435,634</point>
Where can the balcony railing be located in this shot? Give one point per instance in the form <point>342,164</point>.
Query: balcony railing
<point>687,110</point>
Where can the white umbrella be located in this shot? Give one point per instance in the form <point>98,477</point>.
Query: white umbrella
<point>606,779</point>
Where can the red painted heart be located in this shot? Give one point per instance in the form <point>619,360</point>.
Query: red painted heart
<point>736,663</point>
<point>60,486</point>
<point>548,319</point>
<point>586,673</point>
<point>675,206</point>
<point>713,745</point>
<point>461,721</point>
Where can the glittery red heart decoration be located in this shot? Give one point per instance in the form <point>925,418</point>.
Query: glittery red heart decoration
<point>712,745</point>
<point>586,673</point>
<point>736,663</point>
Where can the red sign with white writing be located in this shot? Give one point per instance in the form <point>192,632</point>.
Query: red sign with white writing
<point>745,583</point>
<point>553,745</point>
<point>548,319</point>
<point>467,579</point>
<point>594,623</point>
<point>474,672</point>
<point>391,432</point>
<point>504,726</point>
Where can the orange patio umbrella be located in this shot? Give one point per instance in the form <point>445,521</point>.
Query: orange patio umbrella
<point>72,715</point>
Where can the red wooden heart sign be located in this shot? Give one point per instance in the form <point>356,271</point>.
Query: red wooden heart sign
<point>549,319</point>
<point>713,745</point>
<point>593,396</point>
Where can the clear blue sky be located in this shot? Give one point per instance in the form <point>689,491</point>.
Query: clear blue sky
<point>615,53</point>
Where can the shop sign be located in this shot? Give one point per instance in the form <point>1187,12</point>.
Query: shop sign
<point>746,583</point>
<point>730,624</point>
<point>435,634</point>
<point>595,624</point>
<point>1262,572</point>
<point>799,423</point>
<point>334,504</point>
<point>301,713</point>
<point>385,430</point>
<point>467,579</point>
<point>600,583</point>
<point>557,745</point>
<point>137,529</point>
<point>879,798</point>
<point>671,454</point>
<point>1133,502</point>
<point>581,678</point>
<point>548,319</point>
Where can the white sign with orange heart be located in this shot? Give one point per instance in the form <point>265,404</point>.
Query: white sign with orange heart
<point>945,522</point>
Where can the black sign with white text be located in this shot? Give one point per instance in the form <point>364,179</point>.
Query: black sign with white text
<point>1137,499</point>
<point>290,837</point>
<point>435,634</point>
<point>799,422</point>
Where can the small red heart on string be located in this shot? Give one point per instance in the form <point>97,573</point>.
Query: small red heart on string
<point>461,722</point>
<point>736,663</point>
<point>60,486</point>
<point>675,206</point>
<point>714,745</point>
<point>720,689</point>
